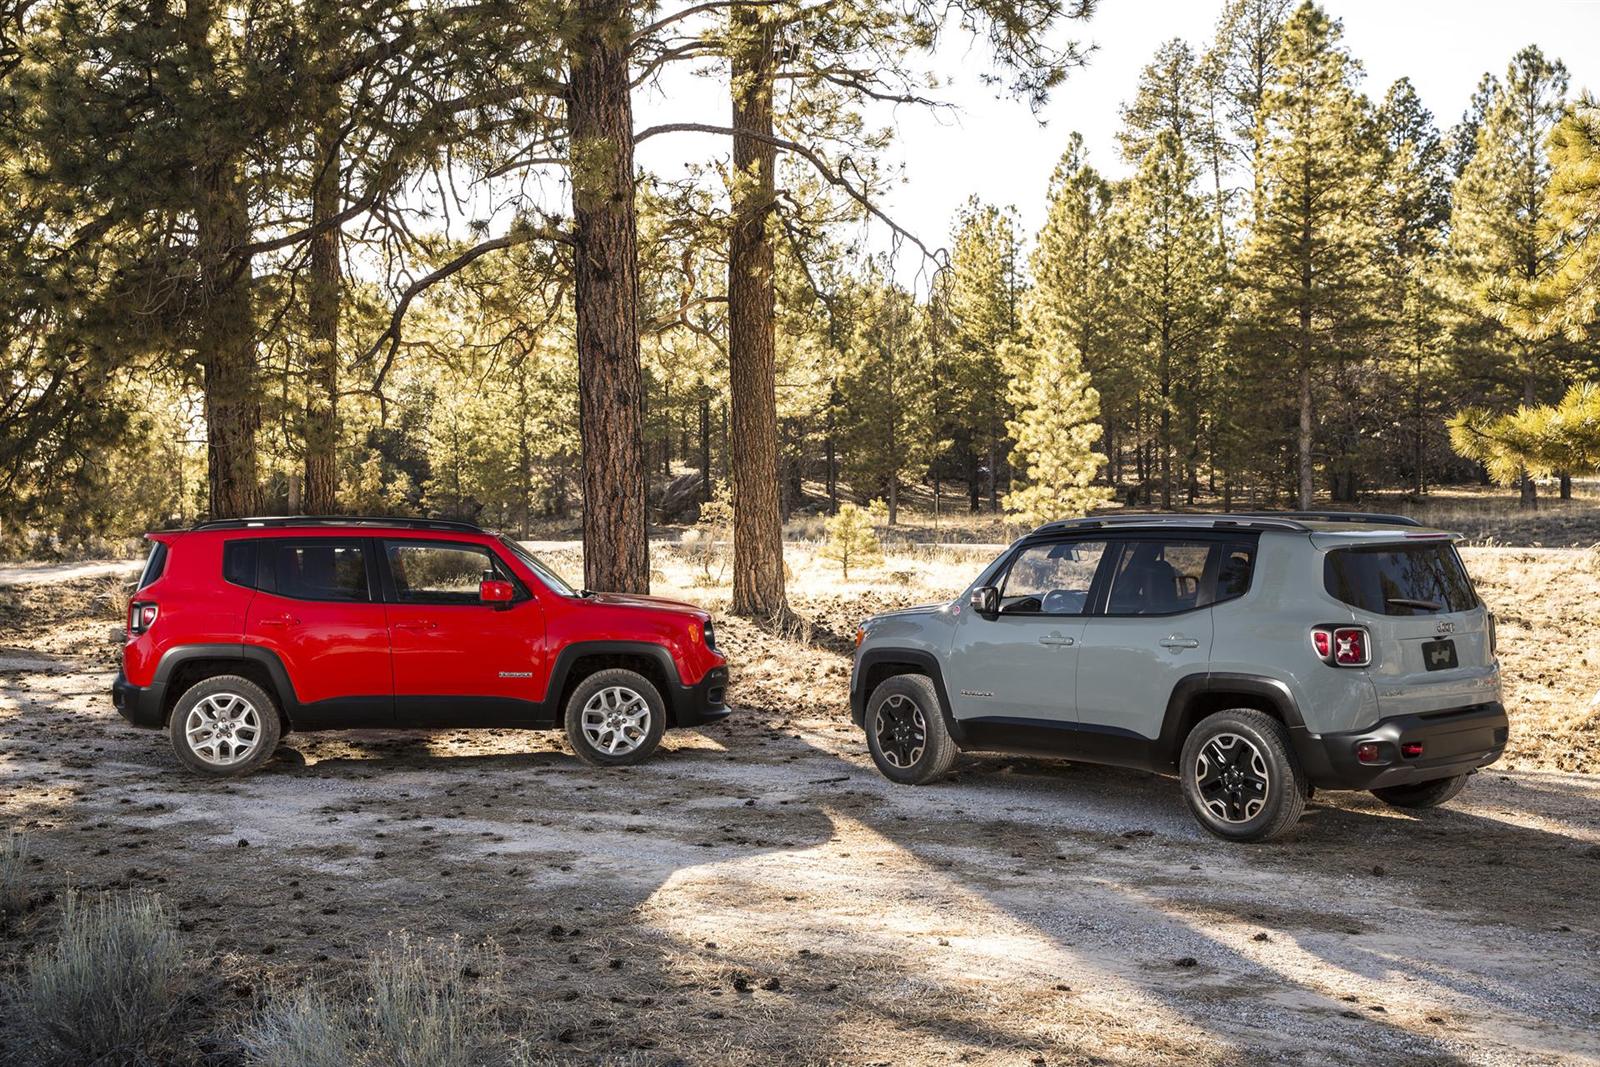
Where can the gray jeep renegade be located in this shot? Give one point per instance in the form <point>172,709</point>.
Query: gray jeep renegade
<point>1256,656</point>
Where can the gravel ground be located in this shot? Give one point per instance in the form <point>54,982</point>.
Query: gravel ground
<point>758,894</point>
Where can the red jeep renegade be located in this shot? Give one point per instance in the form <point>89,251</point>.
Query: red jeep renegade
<point>245,629</point>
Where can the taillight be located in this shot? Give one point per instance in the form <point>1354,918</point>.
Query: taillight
<point>141,616</point>
<point>1343,646</point>
<point>1494,637</point>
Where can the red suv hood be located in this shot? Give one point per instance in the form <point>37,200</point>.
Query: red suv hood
<point>639,600</point>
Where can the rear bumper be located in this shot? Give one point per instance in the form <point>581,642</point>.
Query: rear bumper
<point>1453,742</point>
<point>140,705</point>
<point>702,703</point>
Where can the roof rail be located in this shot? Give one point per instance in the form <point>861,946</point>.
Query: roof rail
<point>279,521</point>
<point>1260,520</point>
<point>1373,517</point>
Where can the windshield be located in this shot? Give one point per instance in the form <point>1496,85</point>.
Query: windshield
<point>537,566</point>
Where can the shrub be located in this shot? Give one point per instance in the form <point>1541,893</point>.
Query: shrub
<point>421,1010</point>
<point>13,876</point>
<point>851,539</point>
<point>109,988</point>
<point>301,1029</point>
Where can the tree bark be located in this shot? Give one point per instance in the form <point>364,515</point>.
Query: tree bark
<point>225,342</point>
<point>322,310</point>
<point>752,377</point>
<point>606,291</point>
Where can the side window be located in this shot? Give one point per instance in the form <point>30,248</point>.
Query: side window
<point>1238,563</point>
<point>1159,577</point>
<point>1052,578</point>
<point>427,572</point>
<point>318,570</point>
<point>239,563</point>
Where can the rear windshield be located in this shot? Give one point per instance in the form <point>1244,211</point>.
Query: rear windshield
<point>1416,579</point>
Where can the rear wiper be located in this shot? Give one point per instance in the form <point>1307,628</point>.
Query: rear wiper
<point>1408,602</point>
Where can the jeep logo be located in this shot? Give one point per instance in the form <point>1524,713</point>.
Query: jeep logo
<point>1446,628</point>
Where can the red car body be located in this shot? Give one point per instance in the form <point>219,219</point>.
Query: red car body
<point>367,649</point>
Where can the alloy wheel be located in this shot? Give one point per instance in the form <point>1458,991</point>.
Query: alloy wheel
<point>223,729</point>
<point>1232,778</point>
<point>902,731</point>
<point>616,720</point>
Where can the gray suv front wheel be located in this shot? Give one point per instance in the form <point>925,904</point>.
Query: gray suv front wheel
<point>906,733</point>
<point>1240,777</point>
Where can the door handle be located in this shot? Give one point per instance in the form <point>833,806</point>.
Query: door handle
<point>1056,639</point>
<point>1178,641</point>
<point>280,620</point>
<point>416,626</point>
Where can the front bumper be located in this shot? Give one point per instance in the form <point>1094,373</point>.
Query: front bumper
<point>1453,742</point>
<point>140,705</point>
<point>704,702</point>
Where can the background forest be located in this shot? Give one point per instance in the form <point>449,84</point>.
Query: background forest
<point>294,255</point>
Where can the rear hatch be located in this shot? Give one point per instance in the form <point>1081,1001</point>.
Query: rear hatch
<point>1431,638</point>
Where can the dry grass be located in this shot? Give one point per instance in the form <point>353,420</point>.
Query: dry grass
<point>13,874</point>
<point>424,1004</point>
<point>108,990</point>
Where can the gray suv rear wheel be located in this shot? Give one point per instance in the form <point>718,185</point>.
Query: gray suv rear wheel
<point>1240,778</point>
<point>905,731</point>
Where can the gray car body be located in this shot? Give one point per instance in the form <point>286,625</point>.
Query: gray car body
<point>1126,689</point>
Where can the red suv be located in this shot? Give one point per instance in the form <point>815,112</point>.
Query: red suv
<point>242,630</point>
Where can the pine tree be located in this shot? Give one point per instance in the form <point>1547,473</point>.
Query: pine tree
<point>1501,251</point>
<point>851,539</point>
<point>1055,432</point>
<point>887,395</point>
<point>983,302</point>
<point>1172,273</point>
<point>1074,302</point>
<point>1307,269</point>
<point>1570,299</point>
<point>1413,211</point>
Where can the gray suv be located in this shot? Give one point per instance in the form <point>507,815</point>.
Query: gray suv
<point>1255,656</point>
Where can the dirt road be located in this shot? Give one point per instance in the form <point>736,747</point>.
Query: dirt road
<point>758,894</point>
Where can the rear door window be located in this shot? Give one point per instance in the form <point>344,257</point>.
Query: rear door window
<point>318,570</point>
<point>1414,579</point>
<point>1159,577</point>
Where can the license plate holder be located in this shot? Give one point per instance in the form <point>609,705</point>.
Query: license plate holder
<point>1440,655</point>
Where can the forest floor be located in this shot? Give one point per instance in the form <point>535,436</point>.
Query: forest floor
<point>758,894</point>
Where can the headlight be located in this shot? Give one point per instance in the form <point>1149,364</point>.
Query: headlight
<point>711,635</point>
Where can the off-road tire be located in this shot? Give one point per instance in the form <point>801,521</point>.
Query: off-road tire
<point>615,680</point>
<point>1286,787</point>
<point>189,738</point>
<point>1428,794</point>
<point>914,697</point>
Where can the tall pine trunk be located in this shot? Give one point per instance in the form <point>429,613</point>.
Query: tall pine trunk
<point>225,342</point>
<point>616,549</point>
<point>757,524</point>
<point>323,299</point>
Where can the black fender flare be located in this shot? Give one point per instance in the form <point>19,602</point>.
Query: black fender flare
<point>925,662</point>
<point>1180,717</point>
<point>178,655</point>
<point>570,654</point>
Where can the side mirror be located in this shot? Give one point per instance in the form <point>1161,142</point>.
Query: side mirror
<point>986,600</point>
<point>498,593</point>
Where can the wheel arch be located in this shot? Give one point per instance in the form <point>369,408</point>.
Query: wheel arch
<point>877,665</point>
<point>578,661</point>
<point>183,666</point>
<point>1200,695</point>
